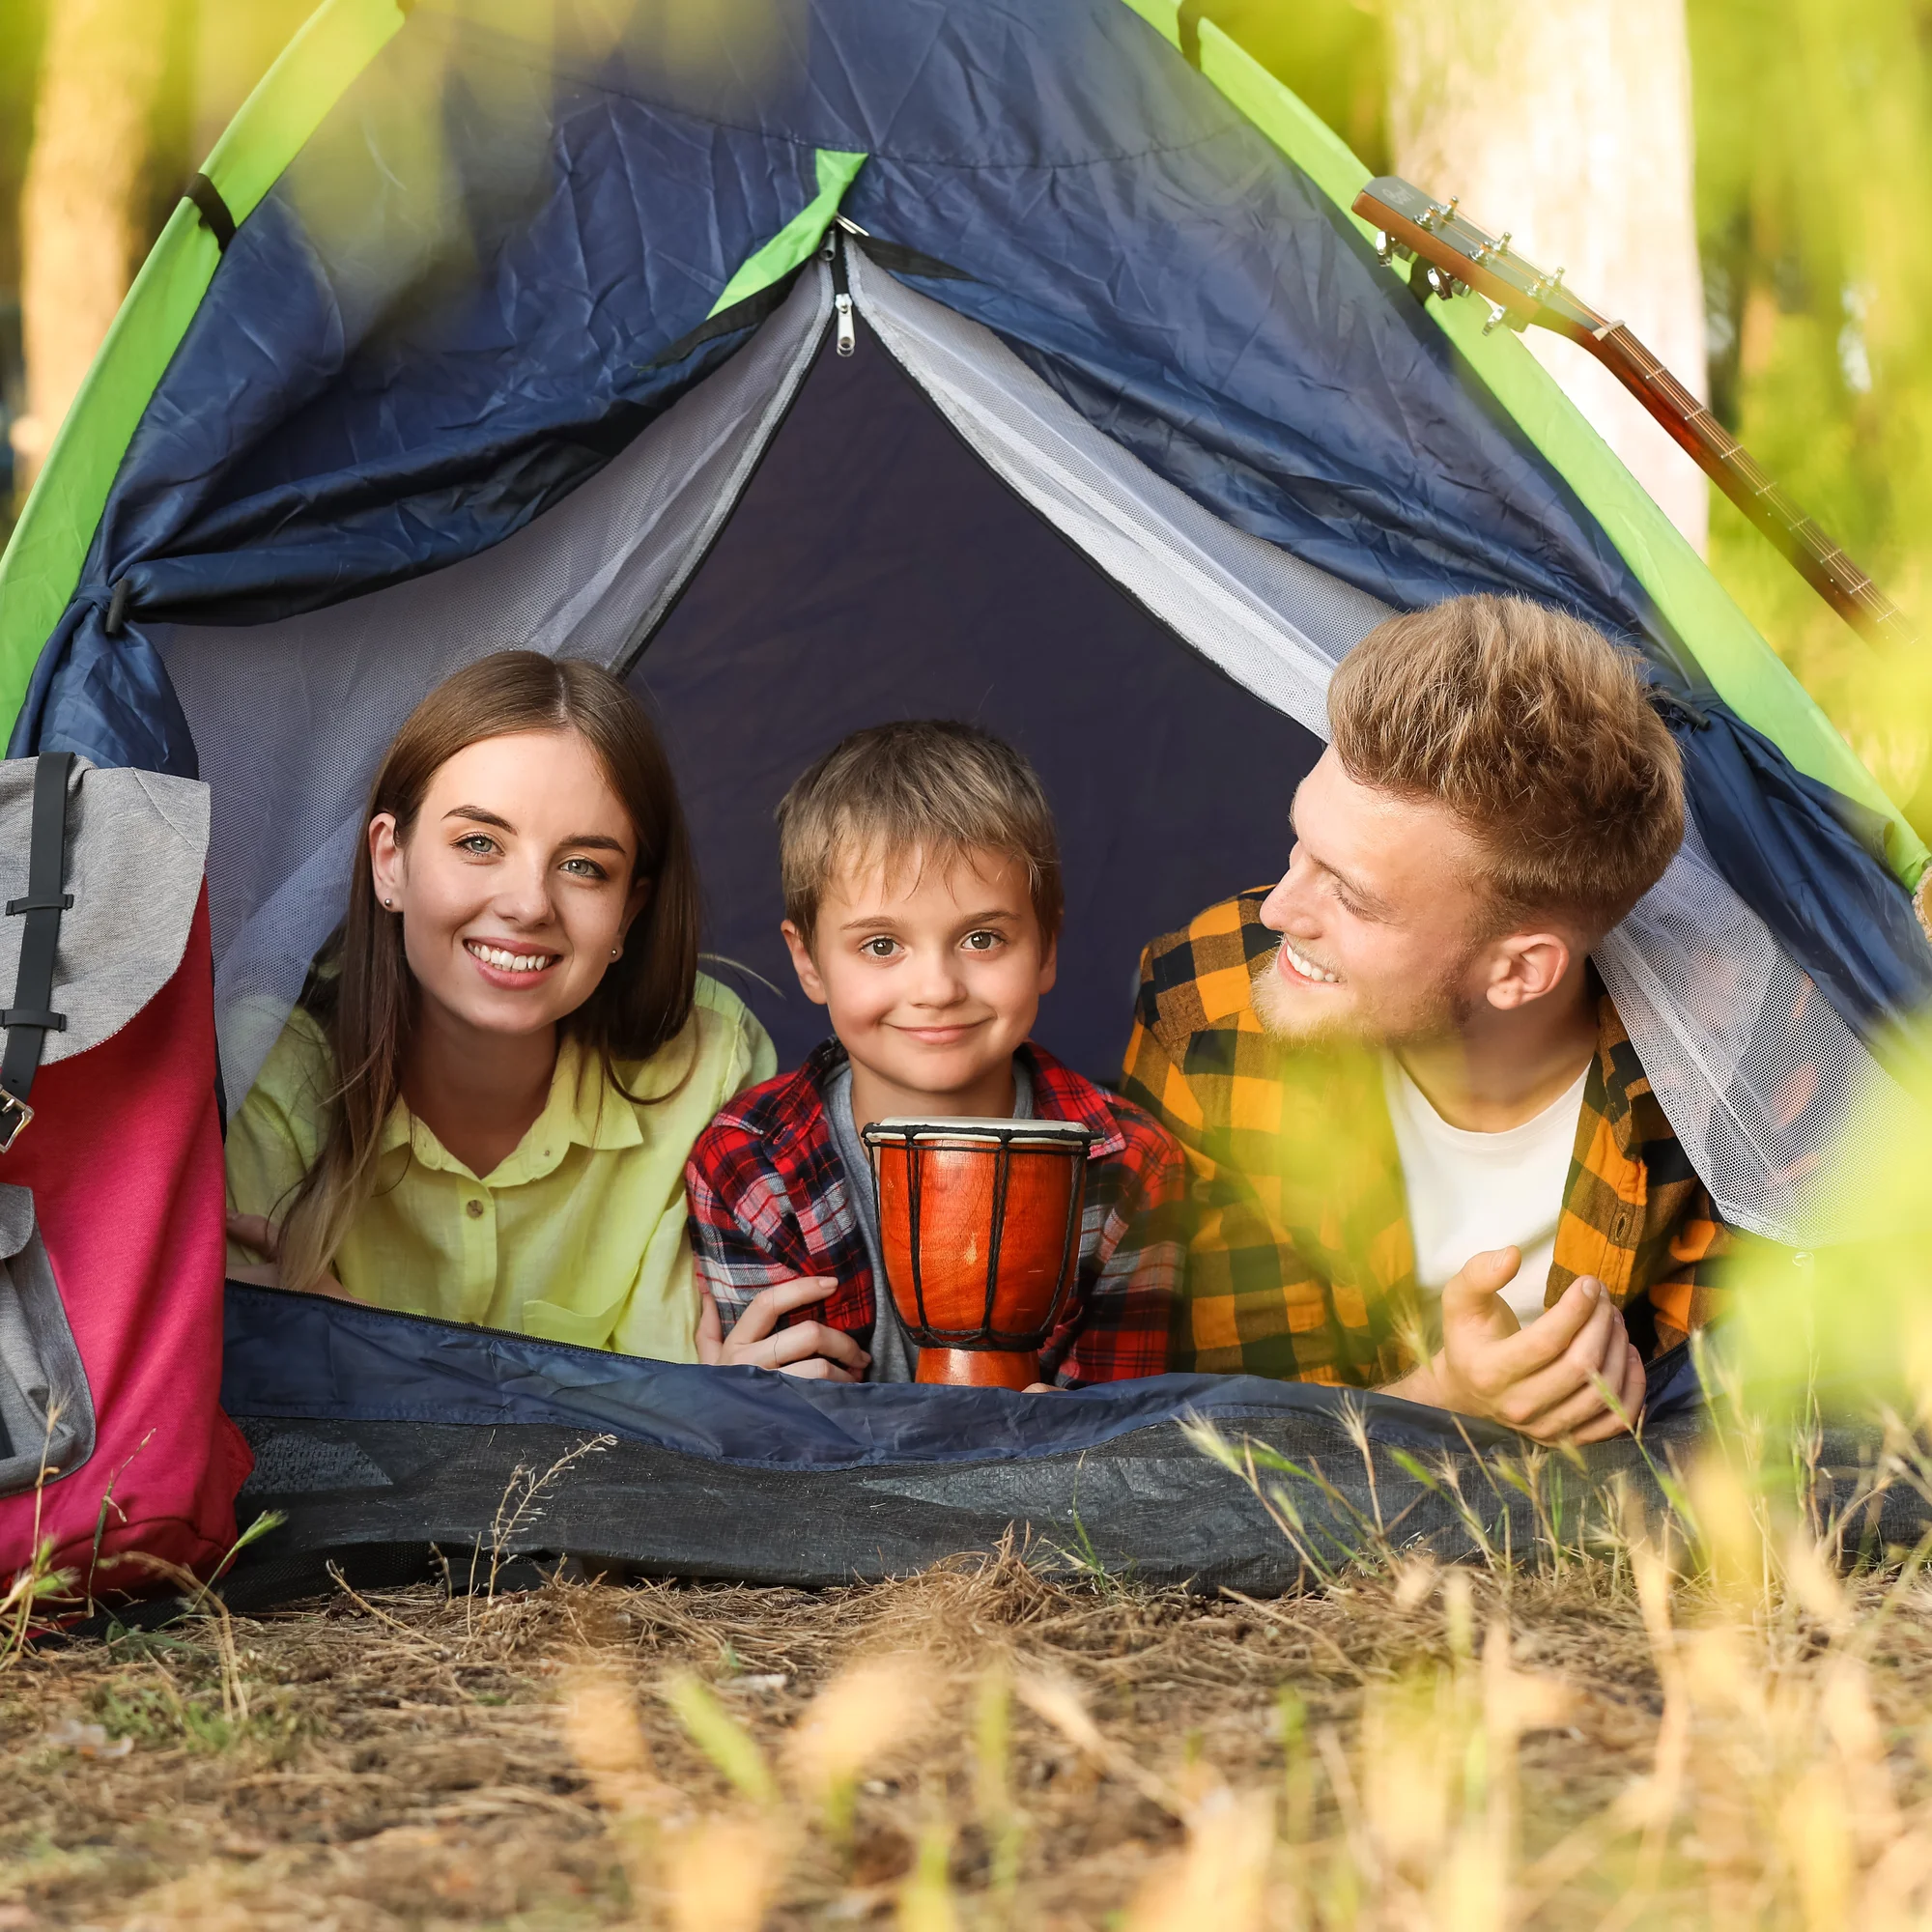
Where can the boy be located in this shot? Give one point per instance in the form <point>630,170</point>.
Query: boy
<point>923,907</point>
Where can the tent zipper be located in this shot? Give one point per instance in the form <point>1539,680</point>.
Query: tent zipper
<point>841,292</point>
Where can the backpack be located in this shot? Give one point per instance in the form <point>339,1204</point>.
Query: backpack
<point>112,1241</point>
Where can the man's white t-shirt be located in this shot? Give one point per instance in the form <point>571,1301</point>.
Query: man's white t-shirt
<point>1470,1191</point>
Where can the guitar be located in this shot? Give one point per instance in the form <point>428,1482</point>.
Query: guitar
<point>1451,257</point>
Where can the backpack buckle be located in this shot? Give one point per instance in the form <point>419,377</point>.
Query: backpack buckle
<point>15,1116</point>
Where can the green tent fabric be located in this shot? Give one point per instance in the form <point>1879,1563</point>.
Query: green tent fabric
<point>1747,672</point>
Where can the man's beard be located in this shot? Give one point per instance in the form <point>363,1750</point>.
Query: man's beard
<point>1432,1013</point>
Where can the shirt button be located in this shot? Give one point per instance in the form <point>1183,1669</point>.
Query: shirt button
<point>473,1208</point>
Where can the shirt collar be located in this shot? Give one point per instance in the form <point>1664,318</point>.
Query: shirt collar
<point>583,1110</point>
<point>1059,1094</point>
<point>1632,1110</point>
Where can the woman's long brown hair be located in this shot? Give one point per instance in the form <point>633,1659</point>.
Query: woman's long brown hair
<point>367,1007</point>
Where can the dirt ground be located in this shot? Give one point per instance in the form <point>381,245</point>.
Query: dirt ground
<point>416,1760</point>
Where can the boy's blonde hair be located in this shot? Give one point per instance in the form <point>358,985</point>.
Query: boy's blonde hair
<point>928,788</point>
<point>1536,731</point>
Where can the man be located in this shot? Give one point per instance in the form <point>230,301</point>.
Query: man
<point>1424,1156</point>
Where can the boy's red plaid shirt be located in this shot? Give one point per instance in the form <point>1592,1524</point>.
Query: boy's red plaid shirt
<point>769,1202</point>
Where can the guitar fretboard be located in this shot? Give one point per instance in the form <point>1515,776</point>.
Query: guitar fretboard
<point>1736,472</point>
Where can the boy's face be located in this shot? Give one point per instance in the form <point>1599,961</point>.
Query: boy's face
<point>931,973</point>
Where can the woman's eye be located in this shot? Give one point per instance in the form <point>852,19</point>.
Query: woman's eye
<point>881,948</point>
<point>583,869</point>
<point>477,844</point>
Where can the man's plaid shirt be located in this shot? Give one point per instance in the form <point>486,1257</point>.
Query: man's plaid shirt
<point>769,1202</point>
<point>1300,1259</point>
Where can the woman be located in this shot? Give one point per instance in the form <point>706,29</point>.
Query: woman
<point>482,1107</point>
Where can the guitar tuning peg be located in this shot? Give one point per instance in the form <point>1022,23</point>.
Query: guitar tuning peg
<point>1497,313</point>
<point>1455,202</point>
<point>1503,246</point>
<point>1384,248</point>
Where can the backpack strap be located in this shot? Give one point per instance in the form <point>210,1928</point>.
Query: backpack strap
<point>31,1017</point>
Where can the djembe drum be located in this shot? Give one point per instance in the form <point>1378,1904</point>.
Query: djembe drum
<point>979,1225</point>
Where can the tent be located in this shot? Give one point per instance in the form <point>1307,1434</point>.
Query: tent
<point>809,364</point>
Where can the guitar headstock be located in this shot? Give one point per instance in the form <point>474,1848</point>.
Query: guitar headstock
<point>1453,256</point>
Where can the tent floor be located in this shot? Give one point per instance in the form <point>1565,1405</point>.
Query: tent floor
<point>388,1503</point>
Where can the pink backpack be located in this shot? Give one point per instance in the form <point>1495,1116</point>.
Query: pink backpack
<point>111,1192</point>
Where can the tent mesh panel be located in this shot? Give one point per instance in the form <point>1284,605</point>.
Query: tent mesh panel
<point>1754,1070</point>
<point>1765,1085</point>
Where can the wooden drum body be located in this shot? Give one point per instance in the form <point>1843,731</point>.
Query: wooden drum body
<point>980,1226</point>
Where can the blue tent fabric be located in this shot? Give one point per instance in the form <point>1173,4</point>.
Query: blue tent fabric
<point>321,1359</point>
<point>1810,864</point>
<point>348,408</point>
<point>413,346</point>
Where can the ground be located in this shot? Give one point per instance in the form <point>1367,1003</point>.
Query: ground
<point>981,1746</point>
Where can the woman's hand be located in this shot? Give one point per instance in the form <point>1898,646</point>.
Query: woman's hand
<point>258,1232</point>
<point>812,1350</point>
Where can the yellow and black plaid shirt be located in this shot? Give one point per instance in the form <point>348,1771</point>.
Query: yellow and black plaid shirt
<point>1301,1260</point>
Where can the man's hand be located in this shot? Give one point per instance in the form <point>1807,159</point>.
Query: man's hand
<point>258,1232</point>
<point>812,1350</point>
<point>1547,1380</point>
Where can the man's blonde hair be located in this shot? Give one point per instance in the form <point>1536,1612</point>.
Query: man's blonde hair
<point>927,788</point>
<point>1536,731</point>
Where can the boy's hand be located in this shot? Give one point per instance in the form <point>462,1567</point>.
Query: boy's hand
<point>1547,1380</point>
<point>812,1350</point>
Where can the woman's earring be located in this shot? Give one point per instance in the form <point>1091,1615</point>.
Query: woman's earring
<point>390,903</point>
<point>616,953</point>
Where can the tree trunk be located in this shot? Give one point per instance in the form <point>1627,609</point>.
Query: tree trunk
<point>79,221</point>
<point>1568,123</point>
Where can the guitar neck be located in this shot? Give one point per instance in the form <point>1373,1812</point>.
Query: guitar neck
<point>1735,473</point>
<point>1452,257</point>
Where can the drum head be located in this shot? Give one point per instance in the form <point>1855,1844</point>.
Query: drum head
<point>966,1130</point>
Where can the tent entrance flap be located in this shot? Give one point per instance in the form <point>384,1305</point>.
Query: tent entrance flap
<point>879,568</point>
<point>1726,1023</point>
<point>289,717</point>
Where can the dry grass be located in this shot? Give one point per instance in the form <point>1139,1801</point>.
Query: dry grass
<point>1609,1745</point>
<point>1694,1720</point>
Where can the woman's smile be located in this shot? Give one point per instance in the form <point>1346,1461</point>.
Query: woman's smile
<point>512,965</point>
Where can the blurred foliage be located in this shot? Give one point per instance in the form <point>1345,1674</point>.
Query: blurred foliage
<point>1813,124</point>
<point>213,51</point>
<point>1814,150</point>
<point>20,23</point>
<point>1814,146</point>
<point>1330,53</point>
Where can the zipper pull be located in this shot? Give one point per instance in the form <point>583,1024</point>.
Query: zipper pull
<point>841,296</point>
